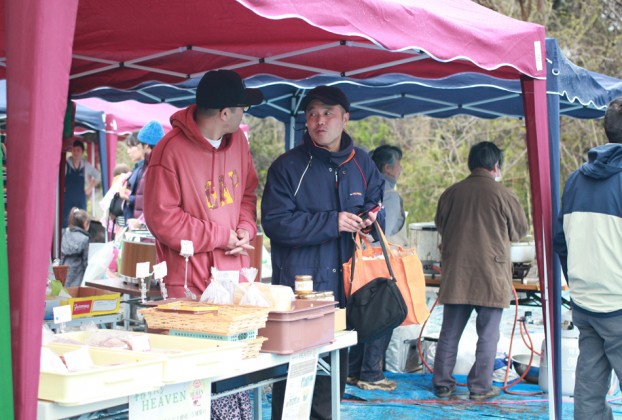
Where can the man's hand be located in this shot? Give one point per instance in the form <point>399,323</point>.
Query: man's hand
<point>239,243</point>
<point>350,222</point>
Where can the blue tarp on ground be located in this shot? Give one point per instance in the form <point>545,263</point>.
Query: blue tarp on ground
<point>414,399</point>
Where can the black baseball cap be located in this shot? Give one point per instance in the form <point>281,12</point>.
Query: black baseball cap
<point>224,88</point>
<point>328,95</point>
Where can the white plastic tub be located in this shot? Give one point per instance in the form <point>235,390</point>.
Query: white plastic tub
<point>114,374</point>
<point>184,358</point>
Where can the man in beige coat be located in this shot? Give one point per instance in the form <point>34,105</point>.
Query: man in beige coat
<point>477,218</point>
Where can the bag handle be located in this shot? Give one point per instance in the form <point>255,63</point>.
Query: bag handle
<point>385,251</point>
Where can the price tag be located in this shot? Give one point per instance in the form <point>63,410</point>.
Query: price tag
<point>142,270</point>
<point>159,270</point>
<point>187,249</point>
<point>62,314</point>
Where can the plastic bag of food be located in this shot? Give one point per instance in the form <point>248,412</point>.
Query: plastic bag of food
<point>218,292</point>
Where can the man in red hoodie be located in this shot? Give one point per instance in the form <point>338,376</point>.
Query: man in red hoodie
<point>201,185</point>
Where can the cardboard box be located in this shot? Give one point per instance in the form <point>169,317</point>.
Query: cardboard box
<point>340,319</point>
<point>90,301</point>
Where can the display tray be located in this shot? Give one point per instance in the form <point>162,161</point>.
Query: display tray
<point>310,323</point>
<point>185,358</point>
<point>114,374</point>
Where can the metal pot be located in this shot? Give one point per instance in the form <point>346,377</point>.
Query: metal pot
<point>521,362</point>
<point>523,252</point>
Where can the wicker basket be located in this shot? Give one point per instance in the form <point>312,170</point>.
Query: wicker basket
<point>230,319</point>
<point>253,347</point>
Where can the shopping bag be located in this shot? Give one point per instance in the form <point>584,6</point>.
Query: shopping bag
<point>116,205</point>
<point>406,266</point>
<point>377,307</point>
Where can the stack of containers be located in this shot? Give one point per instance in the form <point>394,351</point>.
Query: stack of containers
<point>233,323</point>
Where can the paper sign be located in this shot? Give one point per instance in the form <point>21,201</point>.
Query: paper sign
<point>187,249</point>
<point>62,314</point>
<point>77,360</point>
<point>299,386</point>
<point>189,400</point>
<point>142,270</point>
<point>159,270</point>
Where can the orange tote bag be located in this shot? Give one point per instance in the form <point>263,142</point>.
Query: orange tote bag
<point>406,267</point>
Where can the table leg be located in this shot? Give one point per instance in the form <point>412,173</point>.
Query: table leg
<point>257,396</point>
<point>334,384</point>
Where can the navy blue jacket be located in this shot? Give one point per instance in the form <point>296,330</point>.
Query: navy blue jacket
<point>588,234</point>
<point>305,190</point>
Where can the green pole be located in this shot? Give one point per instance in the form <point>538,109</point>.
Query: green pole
<point>6,381</point>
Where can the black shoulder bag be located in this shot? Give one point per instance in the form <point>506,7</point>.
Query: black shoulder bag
<point>377,307</point>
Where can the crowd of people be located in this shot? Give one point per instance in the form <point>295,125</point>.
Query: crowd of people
<point>198,183</point>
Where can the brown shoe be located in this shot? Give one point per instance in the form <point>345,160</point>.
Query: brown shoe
<point>381,385</point>
<point>492,392</point>
<point>351,380</point>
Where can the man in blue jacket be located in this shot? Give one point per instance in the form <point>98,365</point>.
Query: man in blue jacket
<point>588,240</point>
<point>310,209</point>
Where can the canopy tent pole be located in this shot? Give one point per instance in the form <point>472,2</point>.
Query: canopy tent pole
<point>37,72</point>
<point>555,292</point>
<point>6,381</point>
<point>535,106</point>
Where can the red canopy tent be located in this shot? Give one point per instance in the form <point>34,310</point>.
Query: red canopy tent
<point>52,47</point>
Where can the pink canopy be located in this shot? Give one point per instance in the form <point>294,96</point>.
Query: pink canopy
<point>129,116</point>
<point>126,117</point>
<point>81,45</point>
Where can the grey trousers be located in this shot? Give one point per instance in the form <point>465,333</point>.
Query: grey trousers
<point>455,318</point>
<point>600,350</point>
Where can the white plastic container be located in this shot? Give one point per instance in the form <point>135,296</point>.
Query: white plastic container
<point>569,356</point>
<point>184,358</point>
<point>114,374</point>
<point>425,239</point>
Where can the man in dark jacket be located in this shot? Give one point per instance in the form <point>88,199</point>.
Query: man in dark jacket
<point>477,219</point>
<point>588,240</point>
<point>310,208</point>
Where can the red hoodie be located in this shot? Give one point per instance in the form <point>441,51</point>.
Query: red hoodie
<point>198,193</point>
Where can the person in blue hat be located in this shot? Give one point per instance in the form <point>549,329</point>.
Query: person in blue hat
<point>147,137</point>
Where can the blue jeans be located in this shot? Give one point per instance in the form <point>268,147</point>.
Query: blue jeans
<point>367,359</point>
<point>600,350</point>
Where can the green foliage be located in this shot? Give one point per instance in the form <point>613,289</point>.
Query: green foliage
<point>435,151</point>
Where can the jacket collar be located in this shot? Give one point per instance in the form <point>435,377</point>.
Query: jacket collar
<point>345,153</point>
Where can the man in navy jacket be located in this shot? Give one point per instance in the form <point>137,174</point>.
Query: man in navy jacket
<point>588,240</point>
<point>310,210</point>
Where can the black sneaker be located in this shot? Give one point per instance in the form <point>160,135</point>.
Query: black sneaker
<point>492,392</point>
<point>444,391</point>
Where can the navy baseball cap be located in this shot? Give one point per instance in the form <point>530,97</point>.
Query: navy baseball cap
<point>328,95</point>
<point>224,88</point>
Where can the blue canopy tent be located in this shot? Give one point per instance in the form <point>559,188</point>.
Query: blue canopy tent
<point>87,118</point>
<point>571,91</point>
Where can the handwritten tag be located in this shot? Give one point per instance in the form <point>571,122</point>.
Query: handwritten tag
<point>62,314</point>
<point>159,270</point>
<point>142,270</point>
<point>187,248</point>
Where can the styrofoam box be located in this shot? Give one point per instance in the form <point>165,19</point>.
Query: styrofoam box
<point>115,374</point>
<point>185,358</point>
<point>310,323</point>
